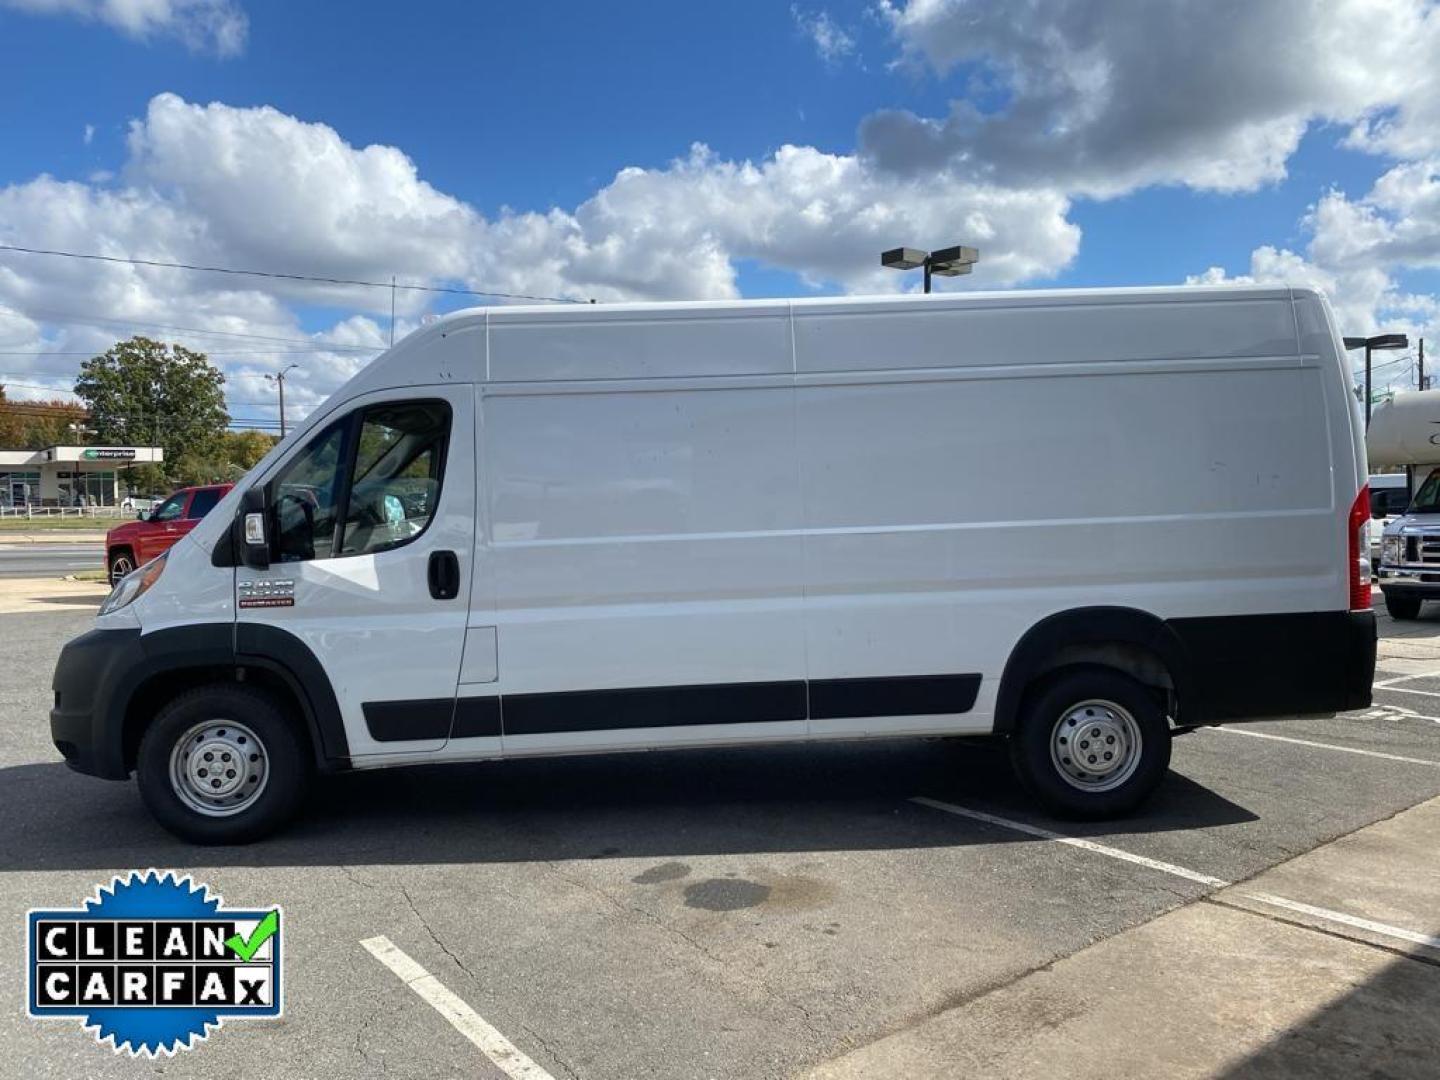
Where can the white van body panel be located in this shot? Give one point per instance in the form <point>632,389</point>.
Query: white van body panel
<point>791,502</point>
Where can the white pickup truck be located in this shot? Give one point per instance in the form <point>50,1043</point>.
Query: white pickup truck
<point>1389,498</point>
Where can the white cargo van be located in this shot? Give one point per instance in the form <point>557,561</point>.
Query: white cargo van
<point>527,531</point>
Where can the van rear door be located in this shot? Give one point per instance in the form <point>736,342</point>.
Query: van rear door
<point>372,537</point>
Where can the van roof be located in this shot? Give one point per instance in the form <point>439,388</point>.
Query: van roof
<point>775,337</point>
<point>998,297</point>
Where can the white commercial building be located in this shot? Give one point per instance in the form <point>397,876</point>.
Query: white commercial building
<point>69,475</point>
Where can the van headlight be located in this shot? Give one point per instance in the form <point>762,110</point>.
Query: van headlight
<point>1392,550</point>
<point>134,585</point>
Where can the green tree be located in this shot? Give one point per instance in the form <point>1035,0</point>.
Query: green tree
<point>244,449</point>
<point>149,393</point>
<point>235,454</point>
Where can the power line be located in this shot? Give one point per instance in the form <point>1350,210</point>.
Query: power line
<point>226,352</point>
<point>70,373</point>
<point>62,390</point>
<point>155,423</point>
<point>391,285</point>
<point>34,386</point>
<point>95,320</point>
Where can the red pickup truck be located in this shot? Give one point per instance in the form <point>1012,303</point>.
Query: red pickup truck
<point>137,542</point>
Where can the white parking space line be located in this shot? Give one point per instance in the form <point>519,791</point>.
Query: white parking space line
<point>1407,690</point>
<point>1072,841</point>
<point>1383,683</point>
<point>1394,712</point>
<point>1326,746</point>
<point>500,1050</point>
<point>1326,914</point>
<point>1384,929</point>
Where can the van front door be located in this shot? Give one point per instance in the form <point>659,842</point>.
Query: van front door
<point>372,533</point>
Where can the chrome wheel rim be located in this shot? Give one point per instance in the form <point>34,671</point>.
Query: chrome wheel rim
<point>1095,745</point>
<point>119,568</point>
<point>219,768</point>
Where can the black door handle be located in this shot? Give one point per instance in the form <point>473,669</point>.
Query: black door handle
<point>443,573</point>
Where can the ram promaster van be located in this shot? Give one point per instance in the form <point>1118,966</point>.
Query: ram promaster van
<point>531,531</point>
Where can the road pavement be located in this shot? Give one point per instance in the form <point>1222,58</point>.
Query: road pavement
<point>49,560</point>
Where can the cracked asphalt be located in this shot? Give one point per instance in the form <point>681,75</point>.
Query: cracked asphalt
<point>716,914</point>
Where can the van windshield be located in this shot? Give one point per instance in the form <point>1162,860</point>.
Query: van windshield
<point>1427,499</point>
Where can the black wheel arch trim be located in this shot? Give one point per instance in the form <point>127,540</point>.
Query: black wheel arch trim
<point>100,673</point>
<point>281,652</point>
<point>1090,626</point>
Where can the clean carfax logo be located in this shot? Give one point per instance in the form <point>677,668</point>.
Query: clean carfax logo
<point>150,964</point>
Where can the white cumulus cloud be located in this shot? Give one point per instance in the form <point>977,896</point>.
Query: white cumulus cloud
<point>1101,98</point>
<point>257,188</point>
<point>208,26</point>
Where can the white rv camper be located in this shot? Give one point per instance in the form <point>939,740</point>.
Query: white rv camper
<point>1405,431</point>
<point>555,530</point>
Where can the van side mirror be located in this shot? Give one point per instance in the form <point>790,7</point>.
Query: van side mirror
<point>251,536</point>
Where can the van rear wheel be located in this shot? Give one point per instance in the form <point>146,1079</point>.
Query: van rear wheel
<point>221,764</point>
<point>1091,743</point>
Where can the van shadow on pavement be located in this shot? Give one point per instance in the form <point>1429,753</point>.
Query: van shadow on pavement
<point>662,804</point>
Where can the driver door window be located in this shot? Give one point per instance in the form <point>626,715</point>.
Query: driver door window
<point>396,454</point>
<point>397,471</point>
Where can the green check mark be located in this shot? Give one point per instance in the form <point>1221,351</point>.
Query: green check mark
<point>245,949</point>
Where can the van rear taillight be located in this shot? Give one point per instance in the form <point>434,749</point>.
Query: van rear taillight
<point>1360,551</point>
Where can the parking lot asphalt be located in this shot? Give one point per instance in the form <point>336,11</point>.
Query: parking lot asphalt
<point>717,913</point>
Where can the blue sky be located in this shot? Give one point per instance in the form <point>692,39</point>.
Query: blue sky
<point>532,106</point>
<point>1076,142</point>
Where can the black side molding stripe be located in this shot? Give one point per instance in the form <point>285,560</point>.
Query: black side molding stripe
<point>899,695</point>
<point>476,717</point>
<point>403,721</point>
<point>670,706</point>
<point>654,706</point>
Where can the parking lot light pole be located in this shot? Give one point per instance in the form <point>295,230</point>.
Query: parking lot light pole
<point>1370,344</point>
<point>947,262</point>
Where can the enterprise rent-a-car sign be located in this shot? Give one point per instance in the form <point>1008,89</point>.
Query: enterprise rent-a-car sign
<point>108,453</point>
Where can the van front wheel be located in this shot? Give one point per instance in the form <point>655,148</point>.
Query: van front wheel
<point>1091,743</point>
<point>221,764</point>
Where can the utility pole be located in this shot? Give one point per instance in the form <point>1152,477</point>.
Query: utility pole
<point>279,380</point>
<point>1420,379</point>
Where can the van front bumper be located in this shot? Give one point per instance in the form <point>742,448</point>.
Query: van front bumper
<point>90,685</point>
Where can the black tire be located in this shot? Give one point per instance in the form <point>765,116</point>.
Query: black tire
<point>1403,607</point>
<point>120,563</point>
<point>1050,703</point>
<point>286,763</point>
